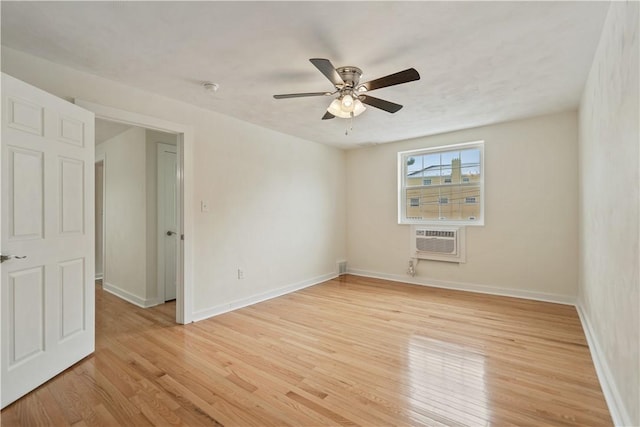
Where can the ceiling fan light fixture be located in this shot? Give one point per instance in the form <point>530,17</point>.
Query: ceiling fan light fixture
<point>347,103</point>
<point>358,107</point>
<point>336,108</point>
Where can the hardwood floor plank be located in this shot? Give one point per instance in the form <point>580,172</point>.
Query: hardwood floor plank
<point>119,405</point>
<point>320,409</point>
<point>351,351</point>
<point>51,407</point>
<point>104,417</point>
<point>218,408</point>
<point>73,403</point>
<point>31,412</point>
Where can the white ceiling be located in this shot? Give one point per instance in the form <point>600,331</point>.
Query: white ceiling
<point>480,62</point>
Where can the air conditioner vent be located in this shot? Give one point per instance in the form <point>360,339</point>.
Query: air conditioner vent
<point>438,243</point>
<point>436,233</point>
<point>441,246</point>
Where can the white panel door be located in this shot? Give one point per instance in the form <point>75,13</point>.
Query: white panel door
<point>47,218</point>
<point>167,214</point>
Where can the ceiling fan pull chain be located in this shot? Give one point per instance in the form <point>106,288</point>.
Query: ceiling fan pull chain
<point>349,125</point>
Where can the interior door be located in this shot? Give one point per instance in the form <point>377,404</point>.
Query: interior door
<point>47,231</point>
<point>167,218</point>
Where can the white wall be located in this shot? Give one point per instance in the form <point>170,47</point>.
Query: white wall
<point>125,214</point>
<point>277,202</point>
<point>151,177</point>
<point>528,245</point>
<point>609,231</point>
<point>277,212</point>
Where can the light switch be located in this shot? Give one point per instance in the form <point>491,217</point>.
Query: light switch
<point>204,206</point>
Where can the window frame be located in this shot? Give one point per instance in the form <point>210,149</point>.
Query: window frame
<point>402,188</point>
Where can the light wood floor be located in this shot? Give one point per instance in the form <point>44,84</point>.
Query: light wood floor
<point>351,351</point>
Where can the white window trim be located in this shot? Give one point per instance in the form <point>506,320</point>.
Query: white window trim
<point>402,171</point>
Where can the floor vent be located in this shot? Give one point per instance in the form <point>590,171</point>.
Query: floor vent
<point>342,267</point>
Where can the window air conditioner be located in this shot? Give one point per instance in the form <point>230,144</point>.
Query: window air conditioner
<point>438,243</point>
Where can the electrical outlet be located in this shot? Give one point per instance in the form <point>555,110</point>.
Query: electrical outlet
<point>240,274</point>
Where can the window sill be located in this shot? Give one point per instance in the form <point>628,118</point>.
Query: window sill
<point>477,223</point>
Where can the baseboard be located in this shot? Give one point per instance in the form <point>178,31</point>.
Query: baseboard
<point>98,276</point>
<point>617,409</point>
<point>469,287</point>
<point>254,299</point>
<point>128,296</point>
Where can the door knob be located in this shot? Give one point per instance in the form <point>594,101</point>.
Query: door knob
<point>4,258</point>
<point>170,233</point>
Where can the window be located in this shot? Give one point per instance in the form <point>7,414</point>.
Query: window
<point>442,185</point>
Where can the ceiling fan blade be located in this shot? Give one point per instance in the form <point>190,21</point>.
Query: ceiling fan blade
<point>388,106</point>
<point>326,67</point>
<point>400,77</point>
<point>300,95</point>
<point>327,116</point>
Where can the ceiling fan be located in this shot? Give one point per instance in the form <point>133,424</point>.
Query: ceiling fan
<point>351,93</point>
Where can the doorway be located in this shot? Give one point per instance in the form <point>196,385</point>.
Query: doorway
<point>139,229</point>
<point>184,188</point>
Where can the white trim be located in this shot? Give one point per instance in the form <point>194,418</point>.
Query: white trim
<point>99,276</point>
<point>254,299</point>
<point>128,296</point>
<point>184,293</point>
<point>614,401</point>
<point>447,147</point>
<point>469,287</point>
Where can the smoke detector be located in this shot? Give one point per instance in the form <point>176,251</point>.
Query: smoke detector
<point>211,87</point>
